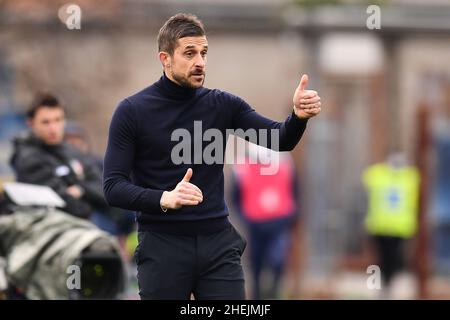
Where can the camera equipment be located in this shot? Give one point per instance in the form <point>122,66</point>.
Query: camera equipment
<point>50,254</point>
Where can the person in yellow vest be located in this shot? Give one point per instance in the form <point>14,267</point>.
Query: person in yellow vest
<point>393,195</point>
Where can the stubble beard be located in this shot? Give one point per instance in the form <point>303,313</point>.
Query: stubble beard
<point>184,82</point>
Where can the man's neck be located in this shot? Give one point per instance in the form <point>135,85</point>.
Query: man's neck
<point>171,78</point>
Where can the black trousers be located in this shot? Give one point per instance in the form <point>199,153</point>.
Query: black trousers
<point>175,266</point>
<point>390,252</point>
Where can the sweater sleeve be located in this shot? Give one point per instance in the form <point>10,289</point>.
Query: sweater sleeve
<point>119,157</point>
<point>289,132</point>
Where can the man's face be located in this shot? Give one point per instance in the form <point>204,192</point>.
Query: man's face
<point>187,65</point>
<point>48,125</point>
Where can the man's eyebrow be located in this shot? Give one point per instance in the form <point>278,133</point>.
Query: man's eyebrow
<point>193,47</point>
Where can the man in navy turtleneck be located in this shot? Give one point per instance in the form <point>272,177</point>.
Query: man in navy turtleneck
<point>186,242</point>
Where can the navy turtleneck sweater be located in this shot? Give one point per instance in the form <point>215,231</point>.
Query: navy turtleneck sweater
<point>138,166</point>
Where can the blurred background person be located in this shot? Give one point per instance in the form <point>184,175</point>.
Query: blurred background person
<point>57,155</point>
<point>393,197</point>
<point>268,206</point>
<point>41,156</point>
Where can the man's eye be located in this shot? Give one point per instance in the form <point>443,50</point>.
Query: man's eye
<point>189,54</point>
<point>204,53</point>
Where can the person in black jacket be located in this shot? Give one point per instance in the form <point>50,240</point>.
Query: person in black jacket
<point>42,157</point>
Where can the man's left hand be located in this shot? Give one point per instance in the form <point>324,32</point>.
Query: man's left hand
<point>306,102</point>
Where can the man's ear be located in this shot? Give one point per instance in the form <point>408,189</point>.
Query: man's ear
<point>30,122</point>
<point>164,57</point>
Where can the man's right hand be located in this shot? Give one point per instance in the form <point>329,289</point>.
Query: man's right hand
<point>306,102</point>
<point>184,194</point>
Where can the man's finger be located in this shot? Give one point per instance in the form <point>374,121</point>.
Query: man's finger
<point>313,111</point>
<point>308,94</point>
<point>310,100</point>
<point>188,175</point>
<point>191,197</point>
<point>303,82</point>
<point>310,106</point>
<point>192,192</point>
<point>193,187</point>
<point>188,203</point>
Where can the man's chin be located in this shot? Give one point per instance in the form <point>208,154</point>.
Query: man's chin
<point>53,142</point>
<point>191,81</point>
<point>196,85</point>
<point>197,81</point>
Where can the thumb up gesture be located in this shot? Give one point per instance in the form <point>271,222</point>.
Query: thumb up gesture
<point>184,194</point>
<point>306,102</point>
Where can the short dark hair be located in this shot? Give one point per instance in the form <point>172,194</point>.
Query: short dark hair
<point>179,26</point>
<point>41,100</point>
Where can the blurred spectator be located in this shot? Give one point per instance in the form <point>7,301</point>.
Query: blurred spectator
<point>42,157</point>
<point>393,194</point>
<point>268,204</point>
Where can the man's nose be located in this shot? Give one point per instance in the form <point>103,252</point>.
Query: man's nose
<point>54,128</point>
<point>200,61</point>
